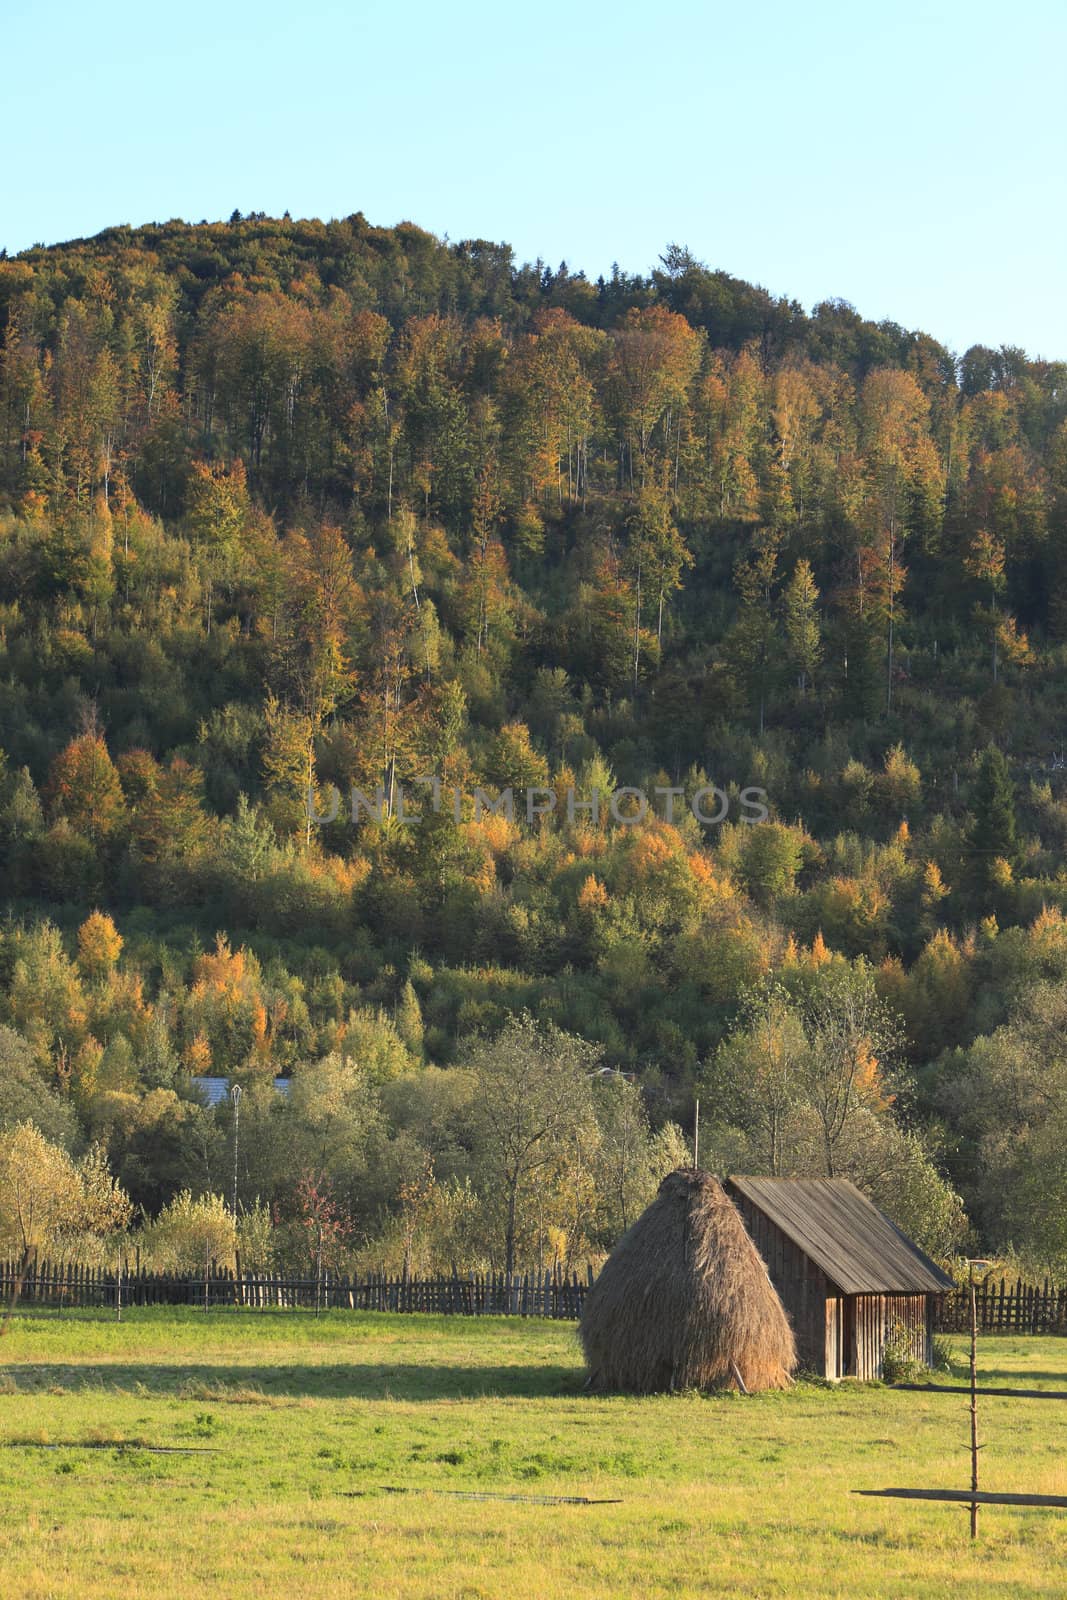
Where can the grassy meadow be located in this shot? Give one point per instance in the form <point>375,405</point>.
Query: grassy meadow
<point>313,1458</point>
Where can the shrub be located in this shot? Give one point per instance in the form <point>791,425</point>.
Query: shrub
<point>187,1233</point>
<point>941,1361</point>
<point>898,1362</point>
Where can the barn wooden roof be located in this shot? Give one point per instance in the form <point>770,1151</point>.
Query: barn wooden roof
<point>838,1228</point>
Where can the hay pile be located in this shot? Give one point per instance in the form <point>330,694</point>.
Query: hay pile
<point>684,1301</point>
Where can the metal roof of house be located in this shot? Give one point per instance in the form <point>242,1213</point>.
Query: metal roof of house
<point>216,1089</point>
<point>838,1228</point>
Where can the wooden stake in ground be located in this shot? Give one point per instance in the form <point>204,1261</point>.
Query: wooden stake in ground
<point>971,1264</point>
<point>974,1404</point>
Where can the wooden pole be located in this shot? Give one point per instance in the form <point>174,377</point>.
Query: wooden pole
<point>974,1405</point>
<point>235,1096</point>
<point>696,1134</point>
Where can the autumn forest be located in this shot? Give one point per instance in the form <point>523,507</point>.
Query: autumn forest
<point>292,507</point>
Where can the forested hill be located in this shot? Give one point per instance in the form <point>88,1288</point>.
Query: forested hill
<point>289,500</point>
<point>403,272</point>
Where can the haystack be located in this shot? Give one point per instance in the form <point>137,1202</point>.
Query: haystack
<point>684,1301</point>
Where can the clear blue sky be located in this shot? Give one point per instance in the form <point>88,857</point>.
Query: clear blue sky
<point>911,158</point>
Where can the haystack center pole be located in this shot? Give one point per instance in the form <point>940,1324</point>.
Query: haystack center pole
<point>696,1134</point>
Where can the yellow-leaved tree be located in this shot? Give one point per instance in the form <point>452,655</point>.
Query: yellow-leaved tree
<point>52,1205</point>
<point>99,945</point>
<point>189,1233</point>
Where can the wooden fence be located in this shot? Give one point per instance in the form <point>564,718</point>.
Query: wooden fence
<point>1002,1307</point>
<point>462,1294</point>
<point>1006,1308</point>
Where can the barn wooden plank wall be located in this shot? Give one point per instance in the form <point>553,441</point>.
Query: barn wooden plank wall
<point>802,1287</point>
<point>875,1315</point>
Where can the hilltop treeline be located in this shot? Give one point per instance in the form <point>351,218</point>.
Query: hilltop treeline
<point>291,503</point>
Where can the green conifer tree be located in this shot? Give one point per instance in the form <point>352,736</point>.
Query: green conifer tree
<point>993,832</point>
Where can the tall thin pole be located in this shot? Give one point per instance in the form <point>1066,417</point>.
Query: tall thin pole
<point>235,1096</point>
<point>974,1403</point>
<point>696,1134</point>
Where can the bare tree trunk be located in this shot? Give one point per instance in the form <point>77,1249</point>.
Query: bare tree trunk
<point>637,632</point>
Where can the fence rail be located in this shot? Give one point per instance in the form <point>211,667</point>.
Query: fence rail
<point>1002,1307</point>
<point>468,1294</point>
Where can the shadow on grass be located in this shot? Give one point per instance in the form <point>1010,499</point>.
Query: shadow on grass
<point>338,1381</point>
<point>1021,1377</point>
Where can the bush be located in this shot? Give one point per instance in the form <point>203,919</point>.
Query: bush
<point>188,1234</point>
<point>941,1360</point>
<point>898,1362</point>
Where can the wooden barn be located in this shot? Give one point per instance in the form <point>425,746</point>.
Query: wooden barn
<point>843,1271</point>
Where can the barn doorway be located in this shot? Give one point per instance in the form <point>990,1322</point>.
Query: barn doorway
<point>847,1352</point>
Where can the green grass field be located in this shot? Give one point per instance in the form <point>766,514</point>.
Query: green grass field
<point>321,1458</point>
